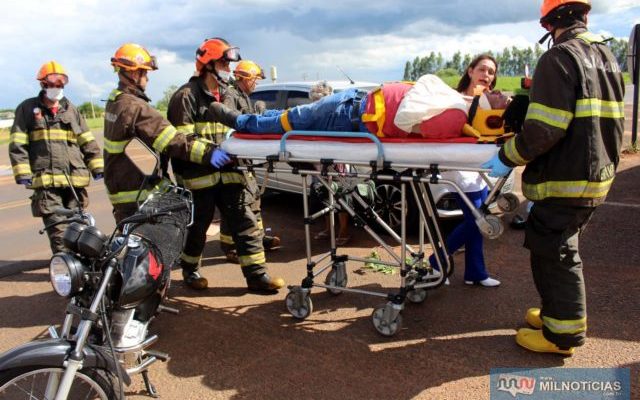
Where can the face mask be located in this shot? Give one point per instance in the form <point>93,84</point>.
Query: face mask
<point>224,75</point>
<point>54,94</point>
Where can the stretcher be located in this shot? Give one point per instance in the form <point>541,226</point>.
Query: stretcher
<point>412,165</point>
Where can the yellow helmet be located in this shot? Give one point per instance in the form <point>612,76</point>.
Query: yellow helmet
<point>52,71</point>
<point>248,70</point>
<point>131,57</point>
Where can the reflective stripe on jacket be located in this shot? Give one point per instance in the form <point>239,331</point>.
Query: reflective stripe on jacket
<point>189,113</point>
<point>128,115</point>
<point>43,146</point>
<point>573,129</point>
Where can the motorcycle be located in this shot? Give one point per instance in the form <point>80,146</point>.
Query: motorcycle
<point>115,285</point>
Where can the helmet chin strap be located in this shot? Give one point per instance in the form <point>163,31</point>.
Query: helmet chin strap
<point>135,82</point>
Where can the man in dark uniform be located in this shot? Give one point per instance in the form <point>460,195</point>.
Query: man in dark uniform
<point>570,145</point>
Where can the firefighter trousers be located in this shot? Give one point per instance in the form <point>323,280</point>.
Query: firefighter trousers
<point>552,235</point>
<point>234,201</point>
<point>45,201</point>
<point>226,241</point>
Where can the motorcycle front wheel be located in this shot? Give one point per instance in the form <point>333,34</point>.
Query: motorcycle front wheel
<point>38,383</point>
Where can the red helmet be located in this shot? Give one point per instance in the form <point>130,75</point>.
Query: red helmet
<point>216,49</point>
<point>550,5</point>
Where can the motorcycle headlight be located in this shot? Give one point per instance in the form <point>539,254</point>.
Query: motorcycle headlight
<point>66,273</point>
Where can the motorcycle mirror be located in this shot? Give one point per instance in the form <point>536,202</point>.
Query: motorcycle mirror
<point>146,160</point>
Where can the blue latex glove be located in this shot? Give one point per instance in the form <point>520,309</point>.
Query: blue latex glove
<point>219,158</point>
<point>97,177</point>
<point>25,182</point>
<point>498,169</point>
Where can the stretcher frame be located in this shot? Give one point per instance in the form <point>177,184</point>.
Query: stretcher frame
<point>416,277</point>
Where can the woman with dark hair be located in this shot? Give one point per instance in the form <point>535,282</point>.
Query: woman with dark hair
<point>479,79</point>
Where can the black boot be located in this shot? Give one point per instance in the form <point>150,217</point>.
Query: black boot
<point>194,280</point>
<point>264,283</point>
<point>517,222</point>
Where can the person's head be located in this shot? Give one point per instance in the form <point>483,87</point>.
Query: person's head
<point>320,90</point>
<point>483,71</point>
<point>247,73</point>
<point>560,14</point>
<point>132,62</point>
<point>213,58</point>
<point>53,78</point>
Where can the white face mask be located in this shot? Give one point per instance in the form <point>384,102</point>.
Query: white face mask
<point>54,94</point>
<point>224,75</point>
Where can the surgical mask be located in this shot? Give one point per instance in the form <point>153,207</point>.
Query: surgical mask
<point>54,94</point>
<point>224,75</point>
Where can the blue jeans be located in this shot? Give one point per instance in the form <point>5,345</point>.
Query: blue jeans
<point>468,235</point>
<point>330,113</point>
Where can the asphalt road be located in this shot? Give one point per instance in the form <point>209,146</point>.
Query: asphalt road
<point>228,344</point>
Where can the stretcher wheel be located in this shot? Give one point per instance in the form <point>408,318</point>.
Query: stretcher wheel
<point>508,202</point>
<point>299,304</point>
<point>493,227</point>
<point>385,328</point>
<point>417,296</point>
<point>337,277</point>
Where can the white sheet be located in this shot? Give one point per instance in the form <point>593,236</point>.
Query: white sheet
<point>446,154</point>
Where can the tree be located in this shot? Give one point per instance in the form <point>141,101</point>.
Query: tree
<point>407,72</point>
<point>163,104</point>
<point>90,111</point>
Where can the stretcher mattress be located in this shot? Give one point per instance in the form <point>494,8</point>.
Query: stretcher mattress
<point>420,152</point>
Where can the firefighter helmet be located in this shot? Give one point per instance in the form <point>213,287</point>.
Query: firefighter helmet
<point>131,57</point>
<point>550,5</point>
<point>216,49</point>
<point>248,70</point>
<point>52,71</point>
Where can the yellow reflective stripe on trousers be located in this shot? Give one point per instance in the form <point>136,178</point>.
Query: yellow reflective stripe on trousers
<point>21,169</point>
<point>259,224</point>
<point>599,108</point>
<point>198,147</point>
<point>511,152</point>
<point>19,138</point>
<point>379,115</point>
<point>566,189</point>
<point>550,116</point>
<point>114,147</point>
<point>190,259</point>
<point>53,134</point>
<point>126,197</point>
<point>284,121</point>
<point>163,139</point>
<point>85,137</point>
<point>232,177</point>
<point>226,239</point>
<point>567,327</point>
<point>202,182</point>
<point>252,259</point>
<point>45,180</point>
<point>95,163</point>
<point>186,129</point>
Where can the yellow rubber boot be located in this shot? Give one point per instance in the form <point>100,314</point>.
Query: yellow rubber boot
<point>533,318</point>
<point>534,340</point>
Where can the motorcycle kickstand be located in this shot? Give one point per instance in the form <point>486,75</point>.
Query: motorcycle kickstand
<point>149,386</point>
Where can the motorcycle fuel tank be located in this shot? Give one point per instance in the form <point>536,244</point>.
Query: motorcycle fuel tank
<point>141,274</point>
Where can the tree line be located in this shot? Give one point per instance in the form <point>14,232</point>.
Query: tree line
<point>511,61</point>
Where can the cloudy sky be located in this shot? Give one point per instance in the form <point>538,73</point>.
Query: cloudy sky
<point>371,40</point>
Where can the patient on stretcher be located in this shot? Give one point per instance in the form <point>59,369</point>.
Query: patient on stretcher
<point>427,109</point>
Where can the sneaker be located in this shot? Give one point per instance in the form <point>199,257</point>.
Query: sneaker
<point>534,340</point>
<point>533,318</point>
<point>489,282</point>
<point>194,280</point>
<point>264,283</point>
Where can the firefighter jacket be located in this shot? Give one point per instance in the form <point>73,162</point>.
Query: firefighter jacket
<point>573,129</point>
<point>43,146</point>
<point>128,115</point>
<point>189,113</point>
<point>236,99</point>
